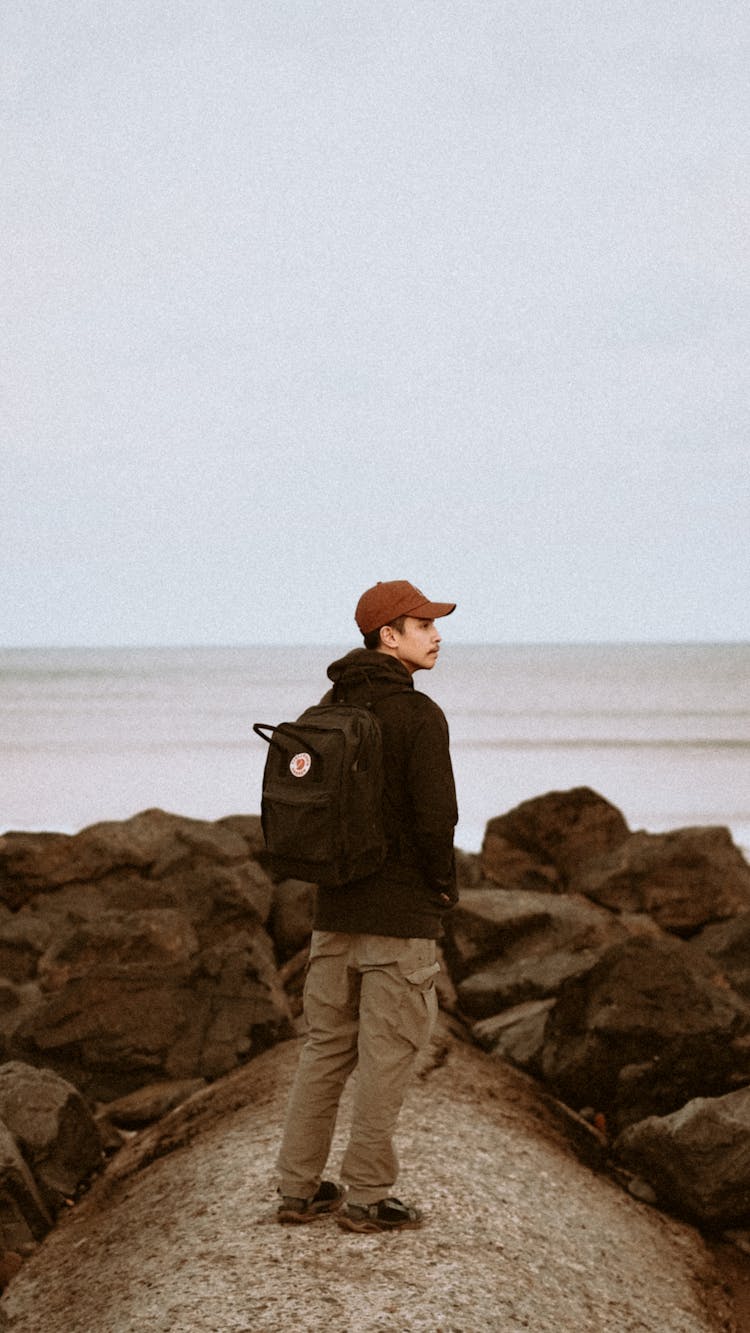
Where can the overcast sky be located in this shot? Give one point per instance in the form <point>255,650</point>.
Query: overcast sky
<point>303,294</point>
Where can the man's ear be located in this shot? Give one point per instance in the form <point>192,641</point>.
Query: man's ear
<point>388,636</point>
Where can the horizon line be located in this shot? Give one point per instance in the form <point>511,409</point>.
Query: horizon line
<point>338,644</point>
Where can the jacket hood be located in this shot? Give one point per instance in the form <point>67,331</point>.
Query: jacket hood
<point>364,674</point>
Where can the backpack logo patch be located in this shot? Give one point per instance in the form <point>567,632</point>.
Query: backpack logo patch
<point>300,765</point>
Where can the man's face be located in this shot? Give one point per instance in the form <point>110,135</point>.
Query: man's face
<point>418,646</point>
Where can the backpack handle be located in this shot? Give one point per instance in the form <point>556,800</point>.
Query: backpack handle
<point>286,728</point>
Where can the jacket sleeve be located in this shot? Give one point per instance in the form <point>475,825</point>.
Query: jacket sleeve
<point>433,794</point>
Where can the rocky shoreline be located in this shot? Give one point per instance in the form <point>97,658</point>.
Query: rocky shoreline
<point>143,961</point>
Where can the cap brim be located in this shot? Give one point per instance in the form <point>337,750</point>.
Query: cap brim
<point>431,610</point>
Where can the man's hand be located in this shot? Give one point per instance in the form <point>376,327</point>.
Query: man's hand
<point>448,895</point>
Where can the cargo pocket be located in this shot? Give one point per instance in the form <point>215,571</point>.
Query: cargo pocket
<point>417,963</point>
<point>419,967</point>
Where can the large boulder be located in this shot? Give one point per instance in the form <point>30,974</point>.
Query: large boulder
<point>697,1159</point>
<point>557,832</point>
<point>128,1000</point>
<point>512,867</point>
<point>546,940</point>
<point>648,1028</point>
<point>153,843</point>
<point>683,879</point>
<point>486,922</point>
<point>53,1127</point>
<point>728,944</point>
<point>143,956</point>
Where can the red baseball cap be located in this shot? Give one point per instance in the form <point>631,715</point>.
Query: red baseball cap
<point>387,601</point>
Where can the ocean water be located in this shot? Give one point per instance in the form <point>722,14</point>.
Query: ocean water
<point>663,731</point>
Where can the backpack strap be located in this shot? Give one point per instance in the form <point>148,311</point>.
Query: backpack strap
<point>362,673</point>
<point>357,673</point>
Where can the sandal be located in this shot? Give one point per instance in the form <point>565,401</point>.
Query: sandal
<point>385,1215</point>
<point>326,1199</point>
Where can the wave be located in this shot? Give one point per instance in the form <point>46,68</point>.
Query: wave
<point>597,743</point>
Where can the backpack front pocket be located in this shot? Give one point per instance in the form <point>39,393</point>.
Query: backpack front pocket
<point>300,827</point>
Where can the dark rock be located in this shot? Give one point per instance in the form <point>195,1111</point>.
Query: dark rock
<point>697,1159</point>
<point>446,990</point>
<point>648,1028</point>
<point>16,1004</point>
<point>156,966</point>
<point>562,829</point>
<point>566,943</point>
<point>31,863</point>
<point>683,879</point>
<point>728,944</point>
<point>524,943</point>
<point>485,923</point>
<point>505,984</point>
<point>23,1215</point>
<point>23,940</point>
<point>292,976</point>
<point>214,897</point>
<point>512,867</point>
<point>291,916</point>
<point>52,1126</point>
<point>468,869</point>
<point>152,842</point>
<point>249,828</point>
<point>517,1034</point>
<point>131,1000</point>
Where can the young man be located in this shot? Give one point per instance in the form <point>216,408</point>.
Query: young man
<point>370,998</point>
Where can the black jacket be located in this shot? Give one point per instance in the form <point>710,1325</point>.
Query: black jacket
<point>403,897</point>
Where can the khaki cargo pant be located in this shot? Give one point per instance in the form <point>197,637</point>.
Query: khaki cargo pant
<point>370,1002</point>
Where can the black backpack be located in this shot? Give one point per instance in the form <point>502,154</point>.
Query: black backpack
<point>322,800</point>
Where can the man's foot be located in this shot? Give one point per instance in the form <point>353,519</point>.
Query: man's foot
<point>385,1215</point>
<point>326,1199</point>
